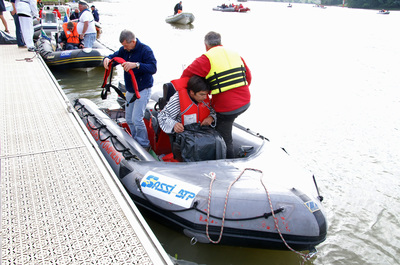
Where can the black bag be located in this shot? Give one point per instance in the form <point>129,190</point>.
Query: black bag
<point>199,143</point>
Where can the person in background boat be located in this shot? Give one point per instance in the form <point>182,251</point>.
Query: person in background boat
<point>191,104</point>
<point>40,5</point>
<point>86,27</point>
<point>2,9</point>
<point>140,58</point>
<point>178,8</point>
<point>69,37</point>
<point>74,15</point>
<point>230,97</point>
<point>18,33</point>
<point>26,11</point>
<point>57,12</point>
<point>95,13</point>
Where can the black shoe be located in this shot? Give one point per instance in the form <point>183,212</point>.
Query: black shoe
<point>31,49</point>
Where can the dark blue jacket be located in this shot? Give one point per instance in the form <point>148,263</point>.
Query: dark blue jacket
<point>95,14</point>
<point>148,65</point>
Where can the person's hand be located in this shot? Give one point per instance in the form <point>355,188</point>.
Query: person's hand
<point>128,66</point>
<point>106,61</point>
<point>207,121</point>
<point>178,127</point>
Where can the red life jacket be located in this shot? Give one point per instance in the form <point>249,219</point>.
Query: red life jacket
<point>72,37</point>
<point>190,111</point>
<point>107,73</point>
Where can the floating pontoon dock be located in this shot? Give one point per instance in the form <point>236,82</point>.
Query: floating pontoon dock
<point>60,201</point>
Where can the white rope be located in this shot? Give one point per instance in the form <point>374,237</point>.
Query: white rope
<point>305,257</point>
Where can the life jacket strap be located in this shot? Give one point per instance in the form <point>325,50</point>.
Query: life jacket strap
<point>108,76</point>
<point>218,80</point>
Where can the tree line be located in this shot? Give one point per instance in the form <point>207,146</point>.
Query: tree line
<point>369,4</point>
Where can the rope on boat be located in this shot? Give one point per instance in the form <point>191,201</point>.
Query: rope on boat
<point>213,177</point>
<point>113,138</point>
<point>305,257</point>
<point>28,60</point>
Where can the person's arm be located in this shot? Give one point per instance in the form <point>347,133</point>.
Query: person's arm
<point>169,118</point>
<point>106,60</point>
<point>148,64</point>
<point>85,27</point>
<point>201,66</point>
<point>34,9</point>
<point>211,120</point>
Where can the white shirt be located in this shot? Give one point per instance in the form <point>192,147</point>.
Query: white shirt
<point>27,7</point>
<point>86,16</point>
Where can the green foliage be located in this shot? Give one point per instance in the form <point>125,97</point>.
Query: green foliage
<point>331,2</point>
<point>374,4</point>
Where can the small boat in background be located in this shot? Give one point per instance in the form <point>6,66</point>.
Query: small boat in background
<point>183,18</point>
<point>86,58</point>
<point>231,8</point>
<point>384,12</point>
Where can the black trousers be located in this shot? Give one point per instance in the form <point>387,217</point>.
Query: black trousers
<point>224,127</point>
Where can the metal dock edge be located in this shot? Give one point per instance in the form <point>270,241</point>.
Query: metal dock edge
<point>60,201</point>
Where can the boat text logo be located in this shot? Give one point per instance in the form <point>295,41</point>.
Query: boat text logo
<point>169,189</point>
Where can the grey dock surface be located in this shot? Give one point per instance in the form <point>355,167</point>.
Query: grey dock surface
<point>60,201</point>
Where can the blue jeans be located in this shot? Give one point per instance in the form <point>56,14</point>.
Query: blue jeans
<point>89,39</point>
<point>18,33</point>
<point>134,114</point>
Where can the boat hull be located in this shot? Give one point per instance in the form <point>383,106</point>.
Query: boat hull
<point>232,201</point>
<point>69,59</point>
<point>183,18</point>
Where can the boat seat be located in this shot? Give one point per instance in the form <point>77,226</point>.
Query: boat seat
<point>49,17</point>
<point>168,92</point>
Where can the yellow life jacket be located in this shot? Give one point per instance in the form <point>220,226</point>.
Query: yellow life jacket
<point>227,70</point>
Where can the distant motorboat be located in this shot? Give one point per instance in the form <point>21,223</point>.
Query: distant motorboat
<point>234,8</point>
<point>384,12</point>
<point>183,18</point>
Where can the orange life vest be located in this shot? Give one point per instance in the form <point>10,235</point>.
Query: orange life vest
<point>72,37</point>
<point>190,111</point>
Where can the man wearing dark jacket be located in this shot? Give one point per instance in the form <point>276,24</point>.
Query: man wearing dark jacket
<point>140,58</point>
<point>178,7</point>
<point>95,13</point>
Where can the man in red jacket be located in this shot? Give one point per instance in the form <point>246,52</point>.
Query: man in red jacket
<point>229,79</point>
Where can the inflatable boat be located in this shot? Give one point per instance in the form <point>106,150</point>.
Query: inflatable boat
<point>258,199</point>
<point>236,8</point>
<point>181,18</point>
<point>87,58</point>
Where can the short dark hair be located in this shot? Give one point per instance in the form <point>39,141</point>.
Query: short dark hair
<point>212,39</point>
<point>197,84</point>
<point>126,35</point>
<point>70,25</point>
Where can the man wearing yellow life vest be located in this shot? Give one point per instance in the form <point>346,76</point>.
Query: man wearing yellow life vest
<point>229,79</point>
<point>69,37</point>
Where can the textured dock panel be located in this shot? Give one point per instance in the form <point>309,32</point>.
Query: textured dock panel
<point>60,202</point>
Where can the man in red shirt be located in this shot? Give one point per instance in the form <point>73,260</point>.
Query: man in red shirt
<point>229,79</point>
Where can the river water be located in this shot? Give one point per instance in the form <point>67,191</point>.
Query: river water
<point>325,87</point>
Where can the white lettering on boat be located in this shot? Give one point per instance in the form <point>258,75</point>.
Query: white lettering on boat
<point>169,189</point>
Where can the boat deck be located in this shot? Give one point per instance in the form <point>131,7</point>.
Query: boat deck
<point>60,201</point>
